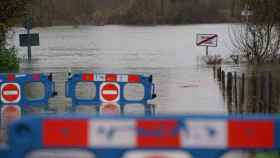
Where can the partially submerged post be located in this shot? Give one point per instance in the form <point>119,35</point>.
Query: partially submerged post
<point>214,71</point>
<point>28,40</point>
<point>28,27</point>
<point>229,90</point>
<point>219,71</point>
<point>223,81</point>
<point>242,97</point>
<point>235,91</point>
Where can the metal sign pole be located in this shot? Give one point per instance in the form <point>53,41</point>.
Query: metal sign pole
<point>207,50</point>
<point>29,45</point>
<point>28,27</point>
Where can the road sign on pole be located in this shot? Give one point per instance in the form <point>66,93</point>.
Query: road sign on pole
<point>29,39</point>
<point>10,93</point>
<point>210,40</point>
<point>207,40</point>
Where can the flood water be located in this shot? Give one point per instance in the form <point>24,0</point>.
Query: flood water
<point>183,83</point>
<point>169,53</point>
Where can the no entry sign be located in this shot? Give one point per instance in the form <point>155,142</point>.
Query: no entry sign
<point>9,113</point>
<point>110,92</point>
<point>209,40</point>
<point>10,93</point>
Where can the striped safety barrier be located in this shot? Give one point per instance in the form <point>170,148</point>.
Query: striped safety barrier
<point>13,89</point>
<point>201,136</point>
<point>109,88</point>
<point>18,91</point>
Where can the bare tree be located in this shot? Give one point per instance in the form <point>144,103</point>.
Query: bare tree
<point>257,36</point>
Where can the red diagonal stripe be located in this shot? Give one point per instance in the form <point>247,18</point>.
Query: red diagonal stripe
<point>208,39</point>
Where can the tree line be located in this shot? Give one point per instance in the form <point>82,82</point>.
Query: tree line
<point>65,12</point>
<point>10,13</point>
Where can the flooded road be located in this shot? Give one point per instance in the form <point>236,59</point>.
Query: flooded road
<point>169,53</point>
<point>184,85</point>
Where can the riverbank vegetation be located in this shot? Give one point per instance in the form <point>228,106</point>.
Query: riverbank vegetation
<point>11,12</point>
<point>8,60</point>
<point>257,37</point>
<point>132,12</point>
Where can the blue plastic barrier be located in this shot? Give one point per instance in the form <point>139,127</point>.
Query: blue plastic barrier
<point>109,88</point>
<point>201,136</point>
<point>12,89</point>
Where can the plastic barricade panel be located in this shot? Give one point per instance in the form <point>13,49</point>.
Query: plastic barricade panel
<point>13,89</point>
<point>107,88</point>
<point>201,136</point>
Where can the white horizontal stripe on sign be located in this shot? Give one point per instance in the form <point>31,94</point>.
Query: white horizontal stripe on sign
<point>200,133</point>
<point>99,77</point>
<point>110,92</point>
<point>21,75</point>
<point>122,78</point>
<point>112,133</point>
<point>10,93</point>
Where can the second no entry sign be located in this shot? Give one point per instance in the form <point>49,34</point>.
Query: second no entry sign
<point>110,92</point>
<point>10,93</point>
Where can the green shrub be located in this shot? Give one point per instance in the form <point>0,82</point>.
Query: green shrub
<point>8,60</point>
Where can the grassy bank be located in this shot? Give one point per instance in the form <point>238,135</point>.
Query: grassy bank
<point>268,155</point>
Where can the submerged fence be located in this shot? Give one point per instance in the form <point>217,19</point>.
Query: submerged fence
<point>249,93</point>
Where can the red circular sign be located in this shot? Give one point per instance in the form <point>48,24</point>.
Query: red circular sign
<point>110,92</point>
<point>10,92</point>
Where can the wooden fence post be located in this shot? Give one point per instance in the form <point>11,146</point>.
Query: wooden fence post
<point>223,81</point>
<point>262,102</point>
<point>254,83</point>
<point>270,92</point>
<point>242,97</point>
<point>235,91</point>
<point>219,73</point>
<point>214,72</point>
<point>229,91</point>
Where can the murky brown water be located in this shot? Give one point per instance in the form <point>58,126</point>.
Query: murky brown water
<point>184,85</point>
